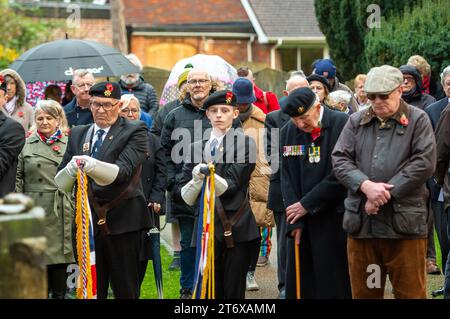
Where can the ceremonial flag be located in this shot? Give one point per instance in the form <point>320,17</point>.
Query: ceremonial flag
<point>87,280</point>
<point>204,286</point>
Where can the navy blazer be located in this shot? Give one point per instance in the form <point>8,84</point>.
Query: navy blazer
<point>125,145</point>
<point>434,112</point>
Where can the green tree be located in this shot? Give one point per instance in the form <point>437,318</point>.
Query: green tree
<point>19,33</point>
<point>424,30</point>
<point>344,24</point>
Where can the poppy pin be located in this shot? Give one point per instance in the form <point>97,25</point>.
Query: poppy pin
<point>404,120</point>
<point>20,114</point>
<point>109,89</point>
<point>56,148</point>
<point>228,97</point>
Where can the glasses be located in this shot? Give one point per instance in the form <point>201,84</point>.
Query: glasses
<point>106,106</point>
<point>199,82</point>
<point>127,111</point>
<point>372,96</point>
<point>409,79</point>
<point>83,85</point>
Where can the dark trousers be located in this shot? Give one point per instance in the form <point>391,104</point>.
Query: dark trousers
<point>441,224</point>
<point>254,254</point>
<point>56,280</point>
<point>118,264</point>
<point>187,254</point>
<point>231,266</point>
<point>323,260</point>
<point>431,248</point>
<point>280,222</point>
<point>447,264</point>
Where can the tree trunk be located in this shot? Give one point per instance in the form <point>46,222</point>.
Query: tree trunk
<point>118,26</point>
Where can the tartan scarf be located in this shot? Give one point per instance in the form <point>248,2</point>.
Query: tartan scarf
<point>52,139</point>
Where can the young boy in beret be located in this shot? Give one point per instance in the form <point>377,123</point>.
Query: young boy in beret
<point>233,154</point>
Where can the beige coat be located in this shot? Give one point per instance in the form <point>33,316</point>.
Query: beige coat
<point>259,180</point>
<point>23,112</point>
<point>36,171</point>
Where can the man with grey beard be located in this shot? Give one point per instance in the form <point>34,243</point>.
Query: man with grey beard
<point>134,83</point>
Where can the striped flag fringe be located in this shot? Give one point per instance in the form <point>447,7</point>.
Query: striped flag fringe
<point>87,280</point>
<point>204,285</point>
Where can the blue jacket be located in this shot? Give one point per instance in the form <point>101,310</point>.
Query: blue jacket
<point>76,115</point>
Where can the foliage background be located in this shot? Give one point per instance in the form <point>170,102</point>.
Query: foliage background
<point>408,27</point>
<point>20,33</point>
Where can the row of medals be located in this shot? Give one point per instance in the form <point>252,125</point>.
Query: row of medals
<point>295,150</point>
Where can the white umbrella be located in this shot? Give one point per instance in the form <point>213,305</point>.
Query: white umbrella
<point>217,67</point>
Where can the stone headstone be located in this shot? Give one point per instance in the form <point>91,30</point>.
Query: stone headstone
<point>23,272</point>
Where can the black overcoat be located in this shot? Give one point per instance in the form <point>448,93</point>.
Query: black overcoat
<point>323,259</point>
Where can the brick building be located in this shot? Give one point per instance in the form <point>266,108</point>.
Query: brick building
<point>281,34</point>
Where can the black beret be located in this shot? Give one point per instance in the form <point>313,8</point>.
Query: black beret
<point>2,83</point>
<point>299,102</point>
<point>106,89</point>
<point>224,97</point>
<point>319,78</point>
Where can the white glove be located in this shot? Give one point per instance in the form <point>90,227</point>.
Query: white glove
<point>190,191</point>
<point>89,162</point>
<point>221,185</point>
<point>196,175</point>
<point>72,167</point>
<point>102,173</point>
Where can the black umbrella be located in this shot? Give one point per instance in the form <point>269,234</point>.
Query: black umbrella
<point>57,60</point>
<point>154,235</point>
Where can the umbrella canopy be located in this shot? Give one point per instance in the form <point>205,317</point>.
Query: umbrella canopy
<point>57,60</point>
<point>217,67</point>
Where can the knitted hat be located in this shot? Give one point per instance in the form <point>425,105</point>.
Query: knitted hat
<point>326,68</point>
<point>243,89</point>
<point>183,76</point>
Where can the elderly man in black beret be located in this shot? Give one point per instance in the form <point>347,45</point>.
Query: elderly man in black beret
<point>111,152</point>
<point>313,198</point>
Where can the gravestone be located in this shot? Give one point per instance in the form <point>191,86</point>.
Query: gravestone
<point>22,249</point>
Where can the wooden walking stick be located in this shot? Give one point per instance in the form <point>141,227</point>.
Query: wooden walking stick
<point>297,264</point>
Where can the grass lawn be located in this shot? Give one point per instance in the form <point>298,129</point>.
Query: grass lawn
<point>171,279</point>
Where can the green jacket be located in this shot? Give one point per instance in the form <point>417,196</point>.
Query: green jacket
<point>36,171</point>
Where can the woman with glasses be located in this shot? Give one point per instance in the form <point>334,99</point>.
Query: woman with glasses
<point>38,163</point>
<point>153,177</point>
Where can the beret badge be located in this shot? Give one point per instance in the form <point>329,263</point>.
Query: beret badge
<point>301,110</point>
<point>109,89</point>
<point>229,97</point>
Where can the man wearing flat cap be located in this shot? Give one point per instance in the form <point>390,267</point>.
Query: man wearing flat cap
<point>313,198</point>
<point>384,157</point>
<point>111,152</point>
<point>233,155</point>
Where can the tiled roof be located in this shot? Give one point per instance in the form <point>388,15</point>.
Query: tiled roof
<point>286,18</point>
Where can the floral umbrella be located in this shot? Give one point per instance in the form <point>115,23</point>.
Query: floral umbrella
<point>217,67</point>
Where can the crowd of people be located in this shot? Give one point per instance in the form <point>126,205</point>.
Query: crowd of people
<point>351,181</point>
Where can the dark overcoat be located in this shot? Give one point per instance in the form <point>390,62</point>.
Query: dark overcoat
<point>323,258</point>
